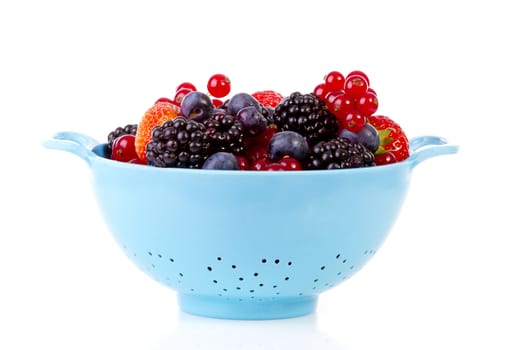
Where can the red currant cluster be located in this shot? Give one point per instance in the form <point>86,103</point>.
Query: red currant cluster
<point>349,98</point>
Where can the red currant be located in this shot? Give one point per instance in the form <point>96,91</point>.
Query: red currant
<point>321,91</point>
<point>217,102</point>
<point>385,158</point>
<point>123,148</point>
<point>260,164</point>
<point>334,81</point>
<point>341,105</point>
<point>330,96</point>
<point>265,136</point>
<point>289,163</point>
<point>186,85</point>
<point>219,85</point>
<point>164,99</point>
<point>180,94</point>
<point>356,86</point>
<point>243,163</point>
<point>371,91</point>
<point>256,152</point>
<point>354,121</point>
<point>367,104</point>
<point>274,167</point>
<point>361,74</point>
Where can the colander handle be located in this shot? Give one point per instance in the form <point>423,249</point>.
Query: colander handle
<point>425,147</point>
<point>76,143</point>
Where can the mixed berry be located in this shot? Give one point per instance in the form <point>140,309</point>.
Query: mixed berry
<point>333,127</point>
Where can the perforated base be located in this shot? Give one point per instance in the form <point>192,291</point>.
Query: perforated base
<point>247,309</point>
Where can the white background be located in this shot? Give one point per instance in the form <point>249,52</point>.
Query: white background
<point>441,281</point>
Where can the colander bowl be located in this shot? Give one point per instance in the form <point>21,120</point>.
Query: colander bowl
<point>248,244</point>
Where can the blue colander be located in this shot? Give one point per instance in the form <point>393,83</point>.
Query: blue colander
<point>248,244</point>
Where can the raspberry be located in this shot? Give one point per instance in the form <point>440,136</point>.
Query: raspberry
<point>154,116</point>
<point>392,138</point>
<point>268,98</point>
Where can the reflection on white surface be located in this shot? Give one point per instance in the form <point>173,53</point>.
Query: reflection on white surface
<point>194,332</point>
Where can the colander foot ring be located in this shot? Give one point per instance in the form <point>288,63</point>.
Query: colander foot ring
<point>247,308</point>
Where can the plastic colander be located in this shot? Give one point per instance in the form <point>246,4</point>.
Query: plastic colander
<point>248,244</point>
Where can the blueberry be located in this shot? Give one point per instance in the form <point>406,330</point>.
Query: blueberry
<point>221,161</point>
<point>197,106</point>
<point>367,136</point>
<point>253,122</point>
<point>241,100</point>
<point>288,143</point>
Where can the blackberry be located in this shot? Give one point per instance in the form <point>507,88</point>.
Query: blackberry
<point>307,115</point>
<point>339,154</point>
<point>178,143</point>
<point>224,133</point>
<point>128,129</point>
<point>268,113</point>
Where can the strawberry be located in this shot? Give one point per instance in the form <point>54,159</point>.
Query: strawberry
<point>155,115</point>
<point>392,139</point>
<point>268,98</point>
